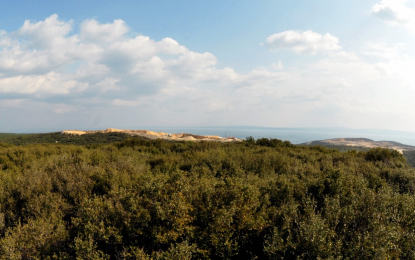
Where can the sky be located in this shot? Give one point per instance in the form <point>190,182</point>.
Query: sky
<point>131,64</point>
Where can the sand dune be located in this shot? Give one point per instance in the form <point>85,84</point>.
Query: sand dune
<point>363,142</point>
<point>155,135</point>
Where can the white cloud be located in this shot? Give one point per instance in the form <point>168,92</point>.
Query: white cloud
<point>4,40</point>
<point>278,66</point>
<point>219,107</point>
<point>395,12</point>
<point>392,61</point>
<point>382,51</point>
<point>46,33</point>
<point>103,70</point>
<point>108,84</point>
<point>91,30</point>
<point>307,42</point>
<point>101,57</point>
<point>48,84</point>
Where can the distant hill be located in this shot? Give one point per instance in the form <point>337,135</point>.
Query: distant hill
<point>103,136</point>
<point>364,144</point>
<point>156,135</point>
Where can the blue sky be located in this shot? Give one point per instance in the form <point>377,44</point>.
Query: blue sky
<point>129,64</point>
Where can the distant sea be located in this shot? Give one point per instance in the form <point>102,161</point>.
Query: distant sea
<point>294,135</point>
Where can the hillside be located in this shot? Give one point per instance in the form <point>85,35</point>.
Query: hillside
<point>364,144</point>
<point>155,135</point>
<point>103,136</point>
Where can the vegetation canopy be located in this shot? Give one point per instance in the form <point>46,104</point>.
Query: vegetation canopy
<point>152,199</point>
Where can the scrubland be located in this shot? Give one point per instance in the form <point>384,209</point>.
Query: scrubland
<point>154,199</point>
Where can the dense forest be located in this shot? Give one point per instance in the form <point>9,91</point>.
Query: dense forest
<point>153,199</point>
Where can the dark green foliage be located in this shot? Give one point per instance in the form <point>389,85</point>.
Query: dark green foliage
<point>342,148</point>
<point>384,155</point>
<point>143,199</point>
<point>6,135</point>
<point>273,142</point>
<point>410,157</point>
<point>57,137</point>
<point>250,139</point>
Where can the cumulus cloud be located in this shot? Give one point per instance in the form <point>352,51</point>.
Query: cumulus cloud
<point>101,58</point>
<point>307,42</point>
<point>49,84</point>
<point>4,40</point>
<point>395,12</point>
<point>73,75</point>
<point>45,33</point>
<point>91,30</point>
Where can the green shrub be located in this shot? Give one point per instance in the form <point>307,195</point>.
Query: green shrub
<point>142,199</point>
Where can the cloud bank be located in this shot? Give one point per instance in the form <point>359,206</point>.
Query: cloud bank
<point>57,76</point>
<point>308,42</point>
<point>395,12</point>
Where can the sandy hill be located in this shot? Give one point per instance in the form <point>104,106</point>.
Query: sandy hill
<point>156,135</point>
<point>363,142</point>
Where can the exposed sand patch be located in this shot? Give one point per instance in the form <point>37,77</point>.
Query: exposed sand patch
<point>188,138</point>
<point>157,135</point>
<point>367,143</point>
<point>73,132</point>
